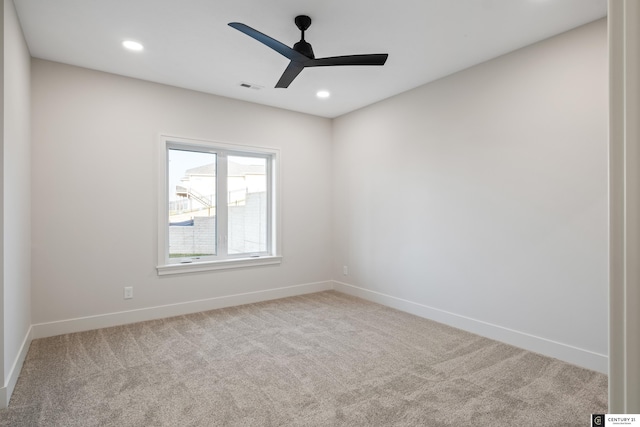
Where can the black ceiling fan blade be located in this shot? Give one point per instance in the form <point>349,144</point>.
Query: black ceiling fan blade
<point>291,72</point>
<point>372,59</point>
<point>274,44</point>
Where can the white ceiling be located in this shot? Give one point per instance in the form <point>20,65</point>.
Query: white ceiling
<point>189,44</point>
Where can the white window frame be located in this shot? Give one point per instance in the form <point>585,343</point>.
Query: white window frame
<point>222,260</point>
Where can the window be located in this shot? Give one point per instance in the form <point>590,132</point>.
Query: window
<point>217,206</point>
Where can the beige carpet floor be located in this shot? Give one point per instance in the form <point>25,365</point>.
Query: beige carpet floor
<point>324,359</point>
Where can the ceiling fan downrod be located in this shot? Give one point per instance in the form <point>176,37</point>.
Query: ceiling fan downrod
<point>303,22</point>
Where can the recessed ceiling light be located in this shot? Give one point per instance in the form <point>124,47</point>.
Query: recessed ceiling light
<point>323,94</point>
<point>131,45</point>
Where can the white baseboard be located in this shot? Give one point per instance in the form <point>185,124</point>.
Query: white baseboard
<point>60,327</point>
<point>575,356</point>
<point>7,390</point>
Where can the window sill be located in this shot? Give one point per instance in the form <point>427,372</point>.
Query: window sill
<point>194,267</point>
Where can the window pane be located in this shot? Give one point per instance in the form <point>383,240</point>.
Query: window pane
<point>192,203</point>
<point>248,204</point>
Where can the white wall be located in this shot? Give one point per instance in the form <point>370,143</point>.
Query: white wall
<point>95,194</point>
<point>16,210</point>
<point>480,199</point>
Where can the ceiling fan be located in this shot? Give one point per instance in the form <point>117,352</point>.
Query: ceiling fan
<point>301,55</point>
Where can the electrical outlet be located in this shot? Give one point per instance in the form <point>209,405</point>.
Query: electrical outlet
<point>128,292</point>
<point>345,270</point>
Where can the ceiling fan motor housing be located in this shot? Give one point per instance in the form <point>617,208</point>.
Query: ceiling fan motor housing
<point>304,48</point>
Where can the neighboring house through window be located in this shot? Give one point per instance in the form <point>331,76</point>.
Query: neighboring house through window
<point>218,207</point>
